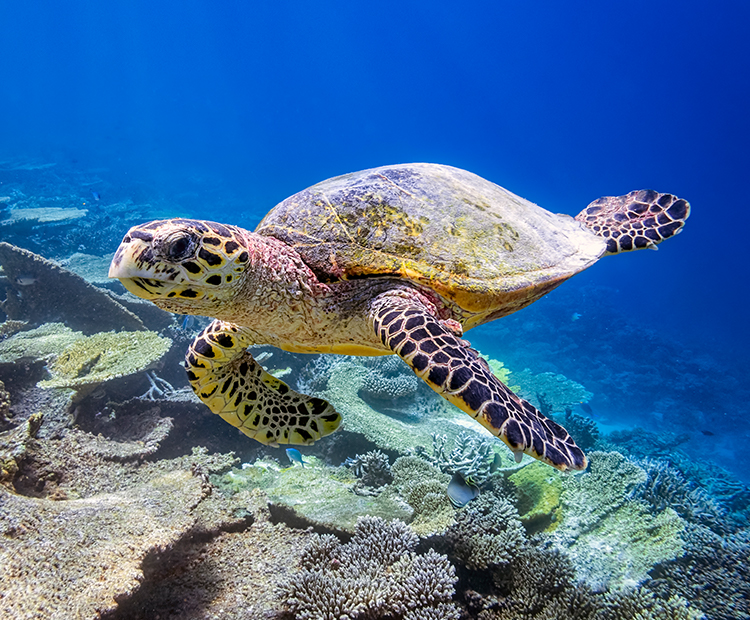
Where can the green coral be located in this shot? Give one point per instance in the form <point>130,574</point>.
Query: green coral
<point>105,356</point>
<point>317,494</point>
<point>41,343</point>
<point>539,489</point>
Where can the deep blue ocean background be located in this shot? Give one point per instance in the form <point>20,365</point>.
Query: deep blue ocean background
<point>219,110</point>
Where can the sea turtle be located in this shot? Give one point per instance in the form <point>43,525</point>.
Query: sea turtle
<point>399,259</point>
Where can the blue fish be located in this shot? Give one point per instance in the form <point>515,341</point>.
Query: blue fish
<point>575,316</point>
<point>295,455</point>
<point>96,195</point>
<point>461,492</point>
<point>586,408</point>
<point>187,322</point>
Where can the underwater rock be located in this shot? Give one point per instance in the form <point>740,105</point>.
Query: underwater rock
<point>39,291</point>
<point>78,558</point>
<point>376,575</point>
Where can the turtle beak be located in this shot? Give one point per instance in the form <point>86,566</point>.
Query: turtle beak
<point>135,266</point>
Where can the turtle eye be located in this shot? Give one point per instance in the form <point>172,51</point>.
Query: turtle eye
<point>179,246</point>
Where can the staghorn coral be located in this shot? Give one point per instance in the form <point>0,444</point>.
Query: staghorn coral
<point>487,532</point>
<point>539,584</point>
<point>665,487</point>
<point>713,573</point>
<point>375,575</point>
<point>470,456</point>
<point>105,356</point>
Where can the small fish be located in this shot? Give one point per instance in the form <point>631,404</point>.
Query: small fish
<point>295,455</point>
<point>497,463</point>
<point>187,322</point>
<point>708,433</point>
<point>586,408</point>
<point>25,280</point>
<point>461,492</point>
<point>96,195</point>
<point>575,316</point>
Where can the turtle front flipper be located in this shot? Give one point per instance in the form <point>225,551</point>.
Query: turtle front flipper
<point>226,378</point>
<point>635,221</point>
<point>459,375</point>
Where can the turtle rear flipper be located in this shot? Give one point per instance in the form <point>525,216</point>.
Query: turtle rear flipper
<point>638,220</point>
<point>226,378</point>
<point>459,375</point>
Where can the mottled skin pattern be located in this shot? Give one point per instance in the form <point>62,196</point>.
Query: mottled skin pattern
<point>333,282</point>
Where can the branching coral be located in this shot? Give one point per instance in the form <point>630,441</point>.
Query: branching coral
<point>389,381</point>
<point>470,456</point>
<point>666,487</point>
<point>375,575</point>
<point>583,430</point>
<point>487,532</point>
<point>372,468</point>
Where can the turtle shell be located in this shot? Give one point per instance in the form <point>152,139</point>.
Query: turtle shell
<point>471,241</point>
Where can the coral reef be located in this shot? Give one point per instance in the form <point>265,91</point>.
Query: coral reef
<point>375,575</point>
<point>713,573</point>
<point>424,488</point>
<point>615,540</point>
<point>487,532</point>
<point>372,468</point>
<point>105,356</point>
<point>470,456</point>
<point>550,392</point>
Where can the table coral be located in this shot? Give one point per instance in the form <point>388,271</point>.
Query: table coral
<point>105,356</point>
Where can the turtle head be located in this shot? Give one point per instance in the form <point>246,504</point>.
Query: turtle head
<point>183,266</point>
